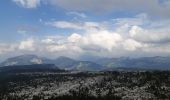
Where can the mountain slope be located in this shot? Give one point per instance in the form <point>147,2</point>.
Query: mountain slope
<point>143,62</point>
<point>70,64</point>
<point>22,60</point>
<point>101,64</point>
<point>62,62</point>
<point>87,66</point>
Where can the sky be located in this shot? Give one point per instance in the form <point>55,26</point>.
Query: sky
<point>85,29</point>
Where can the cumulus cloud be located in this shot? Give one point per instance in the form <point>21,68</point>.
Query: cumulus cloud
<point>75,38</point>
<point>104,39</point>
<point>127,36</point>
<point>101,39</point>
<point>135,34</point>
<point>27,3</point>
<point>150,35</point>
<point>132,45</point>
<point>27,45</point>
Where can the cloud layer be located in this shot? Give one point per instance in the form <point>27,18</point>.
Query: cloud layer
<point>119,37</point>
<point>155,8</point>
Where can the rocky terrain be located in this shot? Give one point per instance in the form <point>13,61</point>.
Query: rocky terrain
<point>64,85</point>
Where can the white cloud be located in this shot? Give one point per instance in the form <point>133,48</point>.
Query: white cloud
<point>132,45</point>
<point>123,25</point>
<point>120,37</point>
<point>77,25</point>
<point>28,3</point>
<point>48,41</point>
<point>27,45</point>
<point>36,61</point>
<point>63,48</point>
<point>82,15</point>
<point>95,38</point>
<point>79,44</point>
<point>101,39</point>
<point>5,48</point>
<point>65,24</point>
<point>56,48</point>
<point>150,35</point>
<point>75,38</point>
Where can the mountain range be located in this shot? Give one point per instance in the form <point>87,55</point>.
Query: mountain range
<point>157,62</point>
<point>61,62</point>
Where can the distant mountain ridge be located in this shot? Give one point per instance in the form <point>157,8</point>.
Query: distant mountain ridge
<point>61,62</point>
<point>22,60</point>
<point>157,62</point>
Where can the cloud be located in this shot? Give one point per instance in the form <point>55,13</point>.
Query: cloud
<point>150,35</point>
<point>158,49</point>
<point>82,15</point>
<point>75,38</point>
<point>77,25</point>
<point>27,3</point>
<point>5,48</point>
<point>76,45</point>
<point>155,8</point>
<point>27,29</point>
<point>101,39</point>
<point>65,25</point>
<point>89,42</point>
<point>27,45</point>
<point>139,19</point>
<point>138,35</point>
<point>132,45</point>
<point>36,61</point>
<point>65,48</point>
<point>48,41</point>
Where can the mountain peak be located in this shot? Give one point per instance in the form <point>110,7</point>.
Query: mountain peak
<point>25,56</point>
<point>65,58</point>
<point>27,59</point>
